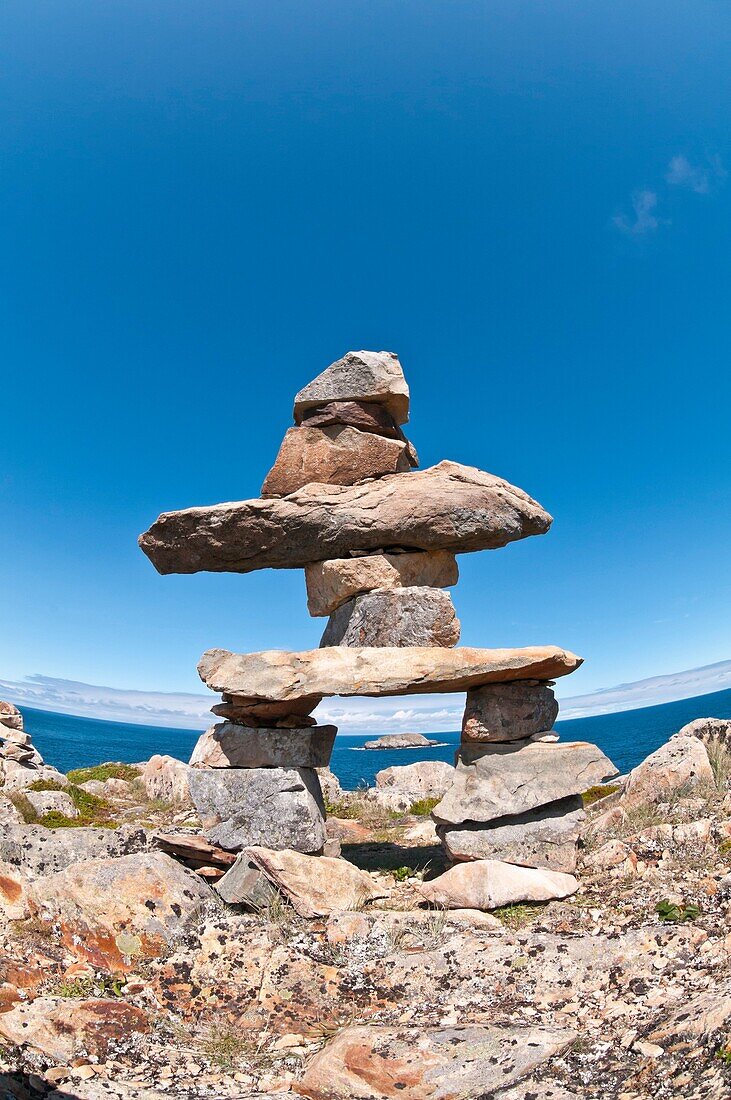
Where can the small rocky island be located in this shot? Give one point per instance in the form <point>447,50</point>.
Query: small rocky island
<point>519,925</point>
<point>400,741</point>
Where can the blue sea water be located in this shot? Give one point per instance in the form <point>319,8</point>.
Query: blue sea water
<point>627,738</point>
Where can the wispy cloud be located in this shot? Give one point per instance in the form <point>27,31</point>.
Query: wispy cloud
<point>702,178</point>
<point>643,219</point>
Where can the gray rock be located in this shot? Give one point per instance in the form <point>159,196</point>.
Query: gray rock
<point>546,837</point>
<point>284,677</point>
<point>508,712</point>
<point>227,745</point>
<point>448,507</point>
<point>425,779</point>
<point>245,884</point>
<point>330,785</point>
<point>400,617</point>
<point>504,780</point>
<point>8,813</point>
<point>332,456</point>
<point>374,376</point>
<point>275,807</point>
<point>19,776</point>
<point>331,583</point>
<point>400,741</point>
<point>38,851</point>
<point>46,802</point>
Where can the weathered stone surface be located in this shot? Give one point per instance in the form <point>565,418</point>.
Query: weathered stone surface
<point>400,741</point>
<point>112,910</point>
<point>10,716</point>
<point>546,837</point>
<point>449,1063</point>
<point>425,779</point>
<point>258,713</point>
<point>396,617</point>
<point>315,885</point>
<point>331,583</point>
<point>46,802</point>
<point>194,849</point>
<point>680,765</point>
<point>512,779</point>
<point>166,778</point>
<point>15,891</point>
<point>332,456</point>
<point>490,883</point>
<point>329,784</point>
<point>246,884</point>
<point>274,807</point>
<point>373,376</point>
<point>245,716</point>
<point>226,745</point>
<point>19,776</point>
<point>367,416</point>
<point>340,670</point>
<point>709,730</point>
<point>9,815</point>
<point>36,850</point>
<point>447,507</point>
<point>63,1029</point>
<point>508,712</point>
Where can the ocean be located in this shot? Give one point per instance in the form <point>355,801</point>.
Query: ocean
<point>627,738</point>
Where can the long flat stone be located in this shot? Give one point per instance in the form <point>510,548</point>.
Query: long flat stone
<point>446,507</point>
<point>376,671</point>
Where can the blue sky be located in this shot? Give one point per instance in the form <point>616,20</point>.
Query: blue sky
<point>202,205</point>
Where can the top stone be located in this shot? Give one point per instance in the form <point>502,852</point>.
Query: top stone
<point>372,376</point>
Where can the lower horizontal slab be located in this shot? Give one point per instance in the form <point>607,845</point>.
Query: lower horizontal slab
<point>227,745</point>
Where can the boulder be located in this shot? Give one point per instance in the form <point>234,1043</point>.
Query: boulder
<point>166,778</point>
<point>15,891</point>
<point>678,766</point>
<point>329,784</point>
<point>332,456</point>
<point>63,1029</point>
<point>506,780</point>
<point>400,741</point>
<point>36,850</point>
<point>111,910</point>
<point>425,779</point>
<point>395,617</point>
<point>445,1063</point>
<point>546,837</point>
<point>281,676</point>
<point>489,884</point>
<point>19,776</point>
<point>372,376</point>
<point>10,717</point>
<point>274,807</point>
<point>47,802</point>
<point>709,730</point>
<point>448,507</point>
<point>9,814</point>
<point>367,416</point>
<point>508,712</point>
<point>331,583</point>
<point>316,885</point>
<point>226,745</point>
<point>246,884</point>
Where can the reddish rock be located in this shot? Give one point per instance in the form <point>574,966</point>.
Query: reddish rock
<point>332,456</point>
<point>63,1029</point>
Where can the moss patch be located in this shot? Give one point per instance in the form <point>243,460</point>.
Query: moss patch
<point>424,806</point>
<point>602,790</point>
<point>92,809</point>
<point>102,772</point>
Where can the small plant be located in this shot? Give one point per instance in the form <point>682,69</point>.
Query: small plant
<point>601,790</point>
<point>720,760</point>
<point>724,1054</point>
<point>518,915</point>
<point>725,846</point>
<point>423,806</point>
<point>671,913</point>
<point>402,873</point>
<point>102,772</point>
<point>226,1048</point>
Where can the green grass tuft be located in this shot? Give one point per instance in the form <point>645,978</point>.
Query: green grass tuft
<point>601,790</point>
<point>424,806</point>
<point>102,772</point>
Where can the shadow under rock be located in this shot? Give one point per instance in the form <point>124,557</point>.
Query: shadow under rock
<point>386,856</point>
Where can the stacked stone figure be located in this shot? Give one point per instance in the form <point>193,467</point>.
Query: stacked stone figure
<point>377,540</point>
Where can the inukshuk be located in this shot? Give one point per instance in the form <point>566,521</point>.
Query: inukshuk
<point>377,540</point>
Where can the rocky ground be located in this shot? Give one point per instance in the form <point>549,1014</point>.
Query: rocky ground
<point>124,974</point>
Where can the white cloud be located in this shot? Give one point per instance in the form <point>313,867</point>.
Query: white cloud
<point>643,219</point>
<point>701,178</point>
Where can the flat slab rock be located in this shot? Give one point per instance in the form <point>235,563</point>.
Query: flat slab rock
<point>331,583</point>
<point>447,507</point>
<point>38,851</point>
<point>398,617</point>
<point>59,1027</point>
<point>458,1063</point>
<point>546,837</point>
<point>274,807</point>
<point>513,779</point>
<point>227,745</point>
<point>508,712</point>
<point>316,885</point>
<point>490,883</point>
<point>282,676</point>
<point>373,376</point>
<point>332,456</point>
